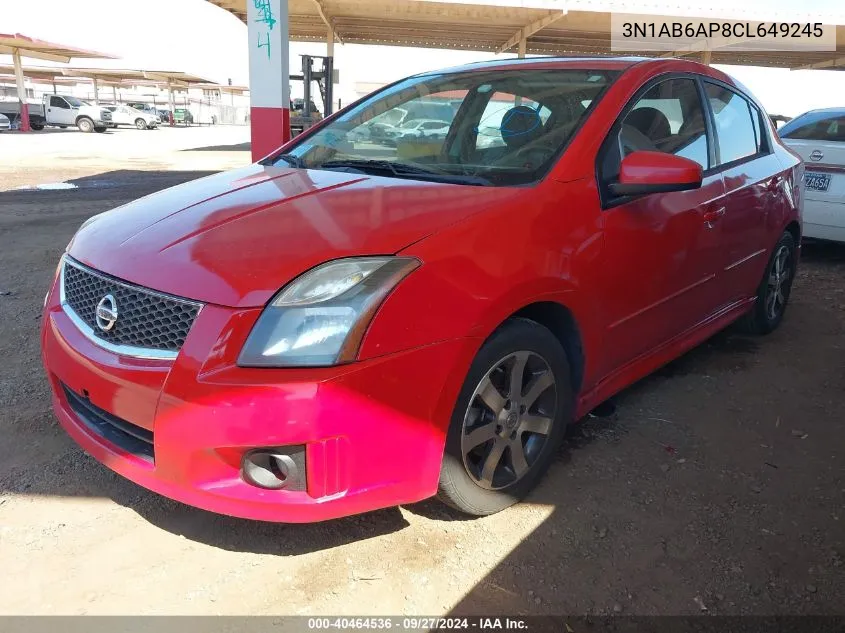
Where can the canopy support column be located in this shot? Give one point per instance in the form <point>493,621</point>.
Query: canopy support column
<point>16,57</point>
<point>170,103</point>
<point>269,75</point>
<point>523,44</point>
<point>96,92</point>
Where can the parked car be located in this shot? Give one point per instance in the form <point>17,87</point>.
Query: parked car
<point>329,331</point>
<point>164,115</point>
<point>5,124</point>
<point>62,111</point>
<point>144,107</point>
<point>819,137</point>
<point>125,115</point>
<point>181,115</point>
<point>421,129</point>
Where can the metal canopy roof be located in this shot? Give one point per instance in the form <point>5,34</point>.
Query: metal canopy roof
<point>112,76</point>
<point>223,88</point>
<point>552,27</point>
<point>141,77</point>
<point>40,49</point>
<point>36,73</point>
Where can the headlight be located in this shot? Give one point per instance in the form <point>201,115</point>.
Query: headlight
<point>320,317</point>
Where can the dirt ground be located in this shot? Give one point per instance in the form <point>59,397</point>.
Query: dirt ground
<point>716,485</point>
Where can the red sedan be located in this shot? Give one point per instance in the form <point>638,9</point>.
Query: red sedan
<point>345,326</point>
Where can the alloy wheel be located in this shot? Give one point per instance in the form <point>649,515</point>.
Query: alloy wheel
<point>780,279</point>
<point>509,420</point>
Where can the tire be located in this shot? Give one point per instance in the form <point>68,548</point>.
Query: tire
<point>546,390</point>
<point>140,124</point>
<point>100,129</point>
<point>85,124</point>
<point>774,289</point>
<point>38,126</point>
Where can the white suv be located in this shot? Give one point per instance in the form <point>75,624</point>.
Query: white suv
<point>126,115</point>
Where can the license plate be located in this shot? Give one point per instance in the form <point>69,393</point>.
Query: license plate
<point>816,182</point>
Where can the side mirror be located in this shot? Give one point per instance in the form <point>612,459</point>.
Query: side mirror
<point>642,173</point>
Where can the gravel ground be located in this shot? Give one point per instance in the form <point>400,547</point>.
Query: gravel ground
<point>716,486</point>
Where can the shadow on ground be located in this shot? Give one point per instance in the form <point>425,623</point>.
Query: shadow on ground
<point>237,147</point>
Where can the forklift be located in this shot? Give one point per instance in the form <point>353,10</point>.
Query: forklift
<point>303,112</point>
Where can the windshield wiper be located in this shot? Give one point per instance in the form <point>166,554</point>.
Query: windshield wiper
<point>292,160</point>
<point>404,170</point>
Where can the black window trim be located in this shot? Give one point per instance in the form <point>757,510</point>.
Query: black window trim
<point>752,109</point>
<point>607,201</point>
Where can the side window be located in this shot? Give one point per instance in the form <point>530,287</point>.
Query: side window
<point>735,131</point>
<point>668,118</point>
<point>58,102</point>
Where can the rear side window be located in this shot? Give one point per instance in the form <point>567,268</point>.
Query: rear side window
<point>831,128</point>
<point>736,133</point>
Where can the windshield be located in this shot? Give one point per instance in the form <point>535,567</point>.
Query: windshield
<point>501,127</point>
<point>76,103</point>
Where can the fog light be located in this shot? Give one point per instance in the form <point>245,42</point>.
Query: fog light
<point>275,468</point>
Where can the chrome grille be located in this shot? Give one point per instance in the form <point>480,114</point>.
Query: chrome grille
<point>149,323</point>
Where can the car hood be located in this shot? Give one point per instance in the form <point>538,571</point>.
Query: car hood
<point>236,237</point>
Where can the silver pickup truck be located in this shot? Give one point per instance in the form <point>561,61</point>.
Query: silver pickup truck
<point>61,111</point>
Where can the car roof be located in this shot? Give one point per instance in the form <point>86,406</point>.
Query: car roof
<point>595,62</point>
<point>837,110</point>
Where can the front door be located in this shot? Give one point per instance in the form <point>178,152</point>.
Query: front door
<point>660,250</point>
<point>122,115</point>
<point>59,112</point>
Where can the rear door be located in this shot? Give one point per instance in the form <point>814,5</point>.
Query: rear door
<point>821,143</point>
<point>753,186</point>
<point>659,253</point>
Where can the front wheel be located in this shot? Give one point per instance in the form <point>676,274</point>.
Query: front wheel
<point>85,125</point>
<point>140,124</point>
<point>39,126</point>
<point>774,289</point>
<point>509,419</point>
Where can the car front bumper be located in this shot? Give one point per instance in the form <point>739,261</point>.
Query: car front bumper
<point>373,432</point>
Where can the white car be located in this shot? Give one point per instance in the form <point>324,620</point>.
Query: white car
<point>423,128</point>
<point>126,115</point>
<point>819,137</point>
<point>4,123</point>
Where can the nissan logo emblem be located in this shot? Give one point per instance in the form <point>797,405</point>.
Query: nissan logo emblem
<point>817,155</point>
<point>106,313</point>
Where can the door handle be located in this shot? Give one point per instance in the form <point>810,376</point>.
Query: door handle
<point>712,216</point>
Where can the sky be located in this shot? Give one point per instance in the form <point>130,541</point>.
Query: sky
<point>197,37</point>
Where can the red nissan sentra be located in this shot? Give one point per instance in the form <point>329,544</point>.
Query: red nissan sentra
<point>417,296</point>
